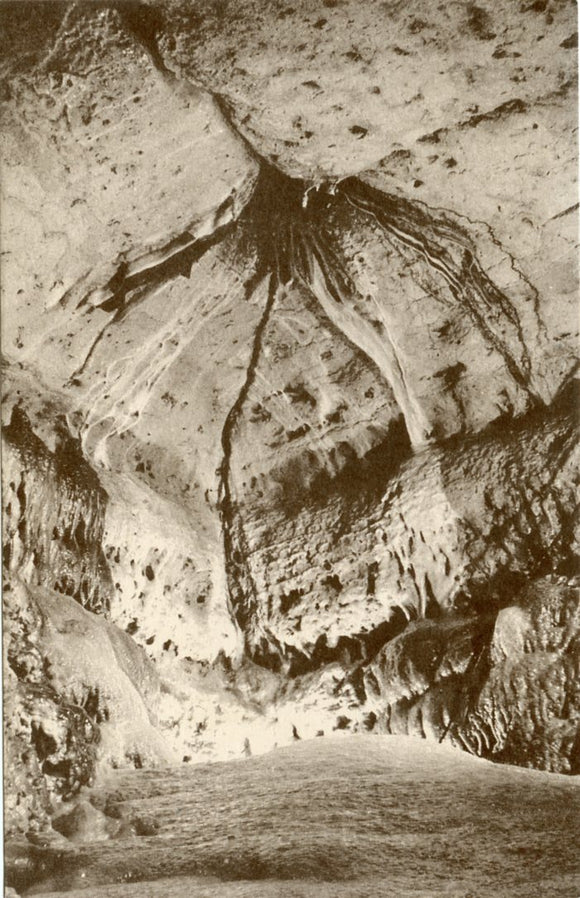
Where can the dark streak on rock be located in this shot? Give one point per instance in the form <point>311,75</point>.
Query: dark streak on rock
<point>130,289</point>
<point>510,107</point>
<point>414,225</point>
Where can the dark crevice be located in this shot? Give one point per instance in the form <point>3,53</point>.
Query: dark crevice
<point>510,107</point>
<point>129,288</point>
<point>273,217</point>
<point>355,651</point>
<point>243,605</point>
<point>66,556</point>
<point>409,224</point>
<point>145,22</point>
<point>370,473</point>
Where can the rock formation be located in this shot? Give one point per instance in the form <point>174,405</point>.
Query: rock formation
<point>290,335</point>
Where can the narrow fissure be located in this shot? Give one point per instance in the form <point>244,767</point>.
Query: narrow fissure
<point>468,283</point>
<point>128,288</point>
<point>232,533</point>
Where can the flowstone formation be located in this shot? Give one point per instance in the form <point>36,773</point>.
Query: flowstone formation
<point>290,432</point>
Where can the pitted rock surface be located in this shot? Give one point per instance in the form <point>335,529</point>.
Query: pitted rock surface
<point>289,339</point>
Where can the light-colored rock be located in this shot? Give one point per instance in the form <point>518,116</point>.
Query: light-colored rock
<point>505,689</point>
<point>287,432</point>
<point>468,109</point>
<point>492,503</point>
<point>111,168</point>
<point>82,694</point>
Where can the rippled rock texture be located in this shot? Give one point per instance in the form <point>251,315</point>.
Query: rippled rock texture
<point>290,338</point>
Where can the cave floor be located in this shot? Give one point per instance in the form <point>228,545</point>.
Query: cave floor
<point>343,816</point>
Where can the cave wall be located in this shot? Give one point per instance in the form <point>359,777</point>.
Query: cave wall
<point>289,341</point>
<point>53,513</point>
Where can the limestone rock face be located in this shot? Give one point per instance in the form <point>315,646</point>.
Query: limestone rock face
<point>81,694</point>
<point>468,109</point>
<point>501,686</point>
<point>388,561</point>
<point>290,337</point>
<point>53,512</point>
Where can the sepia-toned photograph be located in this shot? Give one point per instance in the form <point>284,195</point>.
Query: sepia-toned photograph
<point>290,456</point>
